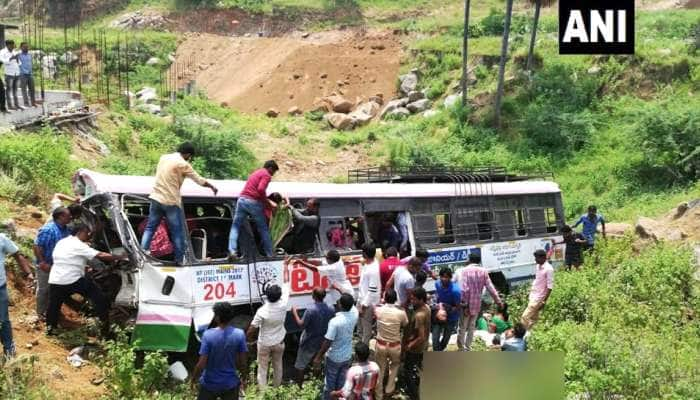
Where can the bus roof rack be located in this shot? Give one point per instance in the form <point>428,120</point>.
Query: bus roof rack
<point>438,174</point>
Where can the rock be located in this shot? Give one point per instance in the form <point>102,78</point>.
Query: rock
<point>272,113</point>
<point>594,70</point>
<point>415,96</point>
<point>379,99</point>
<point>139,20</point>
<point>294,111</point>
<point>680,210</point>
<point>393,105</point>
<point>339,120</point>
<point>429,113</point>
<point>648,228</point>
<point>324,76</point>
<point>409,82</point>
<point>401,111</point>
<point>452,100</point>
<point>364,113</point>
<point>296,76</point>
<point>97,381</point>
<point>616,229</point>
<point>319,106</point>
<point>378,47</point>
<point>153,61</point>
<point>305,35</point>
<point>338,103</point>
<point>419,106</point>
<point>149,108</point>
<point>147,95</point>
<point>34,342</point>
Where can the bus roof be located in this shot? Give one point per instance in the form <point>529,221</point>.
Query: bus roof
<point>142,185</point>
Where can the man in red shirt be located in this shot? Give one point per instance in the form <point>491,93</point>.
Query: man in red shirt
<point>251,202</point>
<point>386,268</point>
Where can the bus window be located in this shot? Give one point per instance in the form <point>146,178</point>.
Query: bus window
<point>521,229</point>
<point>342,233</point>
<point>485,227</point>
<point>136,210</point>
<point>550,220</point>
<point>208,225</point>
<point>444,228</point>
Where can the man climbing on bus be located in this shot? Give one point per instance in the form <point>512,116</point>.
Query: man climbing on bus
<point>166,201</point>
<point>251,203</point>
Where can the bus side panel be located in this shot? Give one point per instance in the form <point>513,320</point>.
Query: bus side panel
<point>302,280</point>
<point>164,316</point>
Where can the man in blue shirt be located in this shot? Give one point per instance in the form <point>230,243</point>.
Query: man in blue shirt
<point>315,325</point>
<point>338,344</point>
<point>590,223</point>
<point>449,298</point>
<point>26,79</point>
<point>44,244</point>
<point>222,354</point>
<point>517,341</point>
<point>8,248</point>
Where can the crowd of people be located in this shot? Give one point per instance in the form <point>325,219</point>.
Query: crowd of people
<point>392,319</point>
<point>18,71</point>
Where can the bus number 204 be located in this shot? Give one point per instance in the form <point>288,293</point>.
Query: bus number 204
<point>219,291</point>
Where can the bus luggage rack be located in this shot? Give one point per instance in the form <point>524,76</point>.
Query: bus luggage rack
<point>425,174</point>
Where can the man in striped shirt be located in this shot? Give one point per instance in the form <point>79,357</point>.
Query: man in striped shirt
<point>361,379</point>
<point>472,281</point>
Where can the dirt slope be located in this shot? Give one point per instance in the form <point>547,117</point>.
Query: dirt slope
<point>256,74</point>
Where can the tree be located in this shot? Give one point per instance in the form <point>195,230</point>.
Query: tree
<point>533,37</point>
<point>502,66</point>
<point>465,46</point>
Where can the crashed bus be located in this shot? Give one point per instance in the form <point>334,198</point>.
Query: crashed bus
<point>450,213</point>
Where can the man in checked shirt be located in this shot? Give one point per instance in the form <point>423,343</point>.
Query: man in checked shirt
<point>361,379</point>
<point>472,280</point>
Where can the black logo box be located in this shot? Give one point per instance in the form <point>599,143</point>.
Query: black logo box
<point>575,46</point>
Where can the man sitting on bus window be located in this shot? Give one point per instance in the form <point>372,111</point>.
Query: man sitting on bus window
<point>166,201</point>
<point>302,238</point>
<point>251,203</point>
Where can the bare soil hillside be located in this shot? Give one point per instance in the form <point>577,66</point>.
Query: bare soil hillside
<point>255,74</point>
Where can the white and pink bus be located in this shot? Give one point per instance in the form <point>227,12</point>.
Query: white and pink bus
<point>449,213</point>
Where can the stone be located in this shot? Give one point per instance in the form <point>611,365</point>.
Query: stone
<point>147,95</point>
<point>305,35</point>
<point>338,103</point>
<point>648,228</point>
<point>429,113</point>
<point>393,105</point>
<point>452,100</point>
<point>153,61</point>
<point>409,83</point>
<point>594,70</point>
<point>324,76</point>
<point>379,99</point>
<point>319,106</point>
<point>378,47</point>
<point>272,113</point>
<point>617,229</point>
<point>419,106</point>
<point>364,113</point>
<point>339,121</point>
<point>680,210</point>
<point>294,111</point>
<point>401,111</point>
<point>296,76</point>
<point>415,96</point>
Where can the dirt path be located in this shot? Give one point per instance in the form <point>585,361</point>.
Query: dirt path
<point>256,74</point>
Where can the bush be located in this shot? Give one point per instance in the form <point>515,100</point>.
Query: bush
<point>40,160</point>
<point>494,23</point>
<point>18,380</point>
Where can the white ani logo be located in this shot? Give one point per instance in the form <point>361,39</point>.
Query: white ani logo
<point>576,27</point>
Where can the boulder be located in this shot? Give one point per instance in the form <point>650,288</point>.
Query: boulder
<point>617,229</point>
<point>400,111</point>
<point>452,100</point>
<point>294,111</point>
<point>393,105</point>
<point>364,113</point>
<point>272,113</point>
<point>648,228</point>
<point>147,95</point>
<point>409,82</point>
<point>319,106</point>
<point>153,61</point>
<point>415,96</point>
<point>339,120</point>
<point>377,98</point>
<point>419,106</point>
<point>338,103</point>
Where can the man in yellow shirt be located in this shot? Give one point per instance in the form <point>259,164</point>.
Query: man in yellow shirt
<point>165,198</point>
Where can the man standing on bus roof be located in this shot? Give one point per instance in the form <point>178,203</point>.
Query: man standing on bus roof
<point>472,283</point>
<point>590,223</point>
<point>540,291</point>
<point>166,201</point>
<point>251,202</point>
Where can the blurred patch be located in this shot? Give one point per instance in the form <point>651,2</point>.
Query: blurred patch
<point>493,376</point>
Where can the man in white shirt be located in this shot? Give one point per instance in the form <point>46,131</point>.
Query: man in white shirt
<point>10,59</point>
<point>370,288</point>
<point>269,324</point>
<point>67,276</point>
<point>541,289</point>
<point>403,280</point>
<point>334,270</point>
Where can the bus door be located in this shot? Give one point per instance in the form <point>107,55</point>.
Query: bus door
<point>385,218</point>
